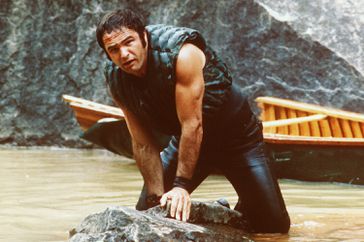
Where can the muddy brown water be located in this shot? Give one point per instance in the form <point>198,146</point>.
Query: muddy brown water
<point>46,192</point>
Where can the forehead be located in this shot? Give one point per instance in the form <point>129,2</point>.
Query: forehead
<point>118,35</point>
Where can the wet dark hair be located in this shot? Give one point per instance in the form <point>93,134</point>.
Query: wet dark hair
<point>118,19</point>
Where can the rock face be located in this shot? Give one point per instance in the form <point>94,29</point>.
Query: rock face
<point>337,24</point>
<point>48,48</point>
<point>208,222</point>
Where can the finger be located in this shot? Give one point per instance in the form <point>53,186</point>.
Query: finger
<point>189,209</point>
<point>180,208</point>
<point>168,205</point>
<point>164,199</point>
<point>174,206</point>
<point>186,209</point>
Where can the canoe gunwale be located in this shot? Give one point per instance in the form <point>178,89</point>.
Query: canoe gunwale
<point>308,140</point>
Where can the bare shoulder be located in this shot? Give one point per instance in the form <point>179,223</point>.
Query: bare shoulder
<point>190,61</point>
<point>190,52</point>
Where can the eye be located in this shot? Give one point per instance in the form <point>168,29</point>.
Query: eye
<point>113,50</point>
<point>128,42</point>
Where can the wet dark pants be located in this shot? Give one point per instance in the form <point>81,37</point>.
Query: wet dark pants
<point>238,153</point>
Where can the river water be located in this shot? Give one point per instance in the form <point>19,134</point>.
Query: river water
<point>46,192</point>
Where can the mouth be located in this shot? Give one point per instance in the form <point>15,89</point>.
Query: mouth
<point>128,63</point>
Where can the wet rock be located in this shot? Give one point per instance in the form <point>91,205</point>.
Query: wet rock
<point>208,222</point>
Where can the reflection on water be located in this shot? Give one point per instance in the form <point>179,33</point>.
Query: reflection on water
<point>46,192</point>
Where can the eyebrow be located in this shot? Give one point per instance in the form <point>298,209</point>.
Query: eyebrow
<point>123,41</point>
<point>127,39</point>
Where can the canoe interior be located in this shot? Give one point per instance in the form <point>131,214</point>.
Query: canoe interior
<point>337,124</point>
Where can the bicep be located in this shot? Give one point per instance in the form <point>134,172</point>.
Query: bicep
<point>189,83</point>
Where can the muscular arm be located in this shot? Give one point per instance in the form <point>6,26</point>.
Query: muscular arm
<point>146,154</point>
<point>189,95</point>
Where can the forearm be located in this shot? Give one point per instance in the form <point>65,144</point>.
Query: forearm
<point>189,149</point>
<point>150,166</point>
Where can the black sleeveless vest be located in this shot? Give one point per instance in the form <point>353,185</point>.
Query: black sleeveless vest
<point>152,98</point>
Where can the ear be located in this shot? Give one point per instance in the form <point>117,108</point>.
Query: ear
<point>146,39</point>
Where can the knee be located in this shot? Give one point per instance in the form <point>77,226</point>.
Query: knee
<point>282,225</point>
<point>273,225</point>
<point>277,222</point>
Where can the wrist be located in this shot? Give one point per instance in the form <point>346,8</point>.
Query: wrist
<point>153,200</point>
<point>182,182</point>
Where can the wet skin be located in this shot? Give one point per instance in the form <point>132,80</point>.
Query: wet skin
<point>126,50</point>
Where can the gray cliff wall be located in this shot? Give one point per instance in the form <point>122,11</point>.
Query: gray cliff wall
<point>48,48</point>
<point>337,24</point>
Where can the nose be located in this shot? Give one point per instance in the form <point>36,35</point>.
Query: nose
<point>124,53</point>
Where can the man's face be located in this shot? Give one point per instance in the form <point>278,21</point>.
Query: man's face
<point>126,50</point>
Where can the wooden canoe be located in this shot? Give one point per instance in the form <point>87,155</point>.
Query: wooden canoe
<point>314,143</point>
<point>290,122</point>
<point>304,141</point>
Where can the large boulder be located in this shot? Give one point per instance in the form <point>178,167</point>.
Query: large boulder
<point>48,48</point>
<point>208,222</point>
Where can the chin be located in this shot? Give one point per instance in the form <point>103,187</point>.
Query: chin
<point>132,72</point>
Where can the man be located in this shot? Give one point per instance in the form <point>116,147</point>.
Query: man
<point>168,79</point>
